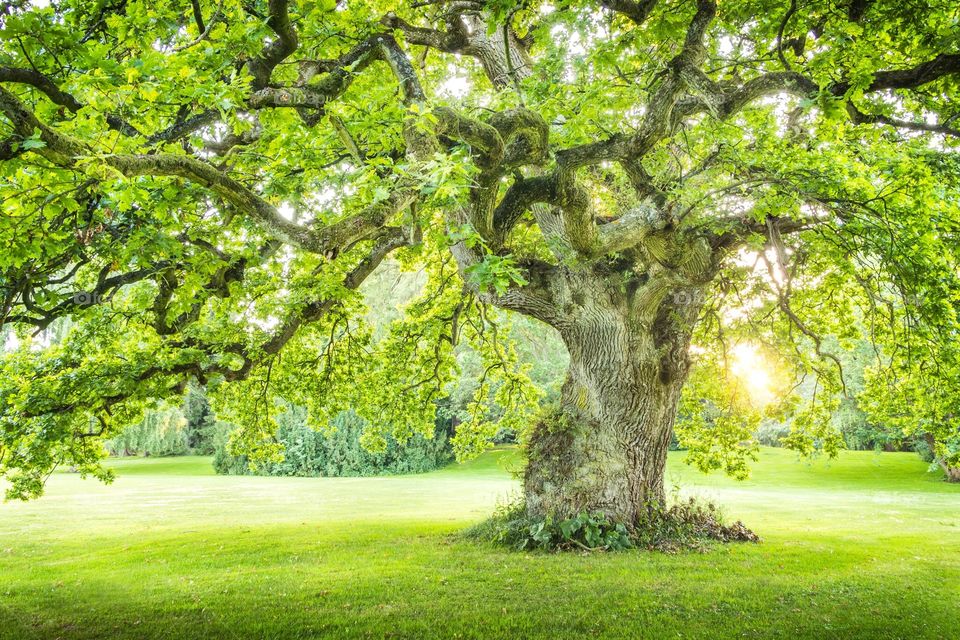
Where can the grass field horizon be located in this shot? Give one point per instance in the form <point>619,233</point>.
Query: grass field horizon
<point>867,545</point>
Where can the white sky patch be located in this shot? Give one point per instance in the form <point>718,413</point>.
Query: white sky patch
<point>725,46</point>
<point>634,116</point>
<point>574,46</point>
<point>267,324</point>
<point>42,340</point>
<point>39,342</point>
<point>753,259</point>
<point>782,106</point>
<point>457,84</point>
<point>455,87</point>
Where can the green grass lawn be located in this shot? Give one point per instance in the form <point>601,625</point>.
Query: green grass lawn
<point>864,546</point>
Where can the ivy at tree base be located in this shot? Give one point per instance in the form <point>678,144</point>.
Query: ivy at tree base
<point>685,525</point>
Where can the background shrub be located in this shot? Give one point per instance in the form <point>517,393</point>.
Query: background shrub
<point>308,452</point>
<point>770,432</point>
<point>160,433</point>
<point>190,429</point>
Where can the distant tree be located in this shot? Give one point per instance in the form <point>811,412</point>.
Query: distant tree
<point>161,432</point>
<point>203,186</point>
<point>201,422</point>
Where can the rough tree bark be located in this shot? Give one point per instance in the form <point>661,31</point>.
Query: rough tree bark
<point>605,447</point>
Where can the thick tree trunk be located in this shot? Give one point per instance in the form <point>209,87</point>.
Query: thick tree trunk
<point>606,447</point>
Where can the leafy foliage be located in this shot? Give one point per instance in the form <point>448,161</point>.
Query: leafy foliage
<point>717,420</point>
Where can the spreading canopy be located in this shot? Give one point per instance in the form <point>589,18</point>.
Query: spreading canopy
<point>199,189</point>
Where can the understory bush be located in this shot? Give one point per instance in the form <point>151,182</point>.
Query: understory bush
<point>337,452</point>
<point>683,525</point>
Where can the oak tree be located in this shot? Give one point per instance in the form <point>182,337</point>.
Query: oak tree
<point>201,187</point>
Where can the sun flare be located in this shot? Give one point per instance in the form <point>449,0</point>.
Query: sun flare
<point>750,367</point>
